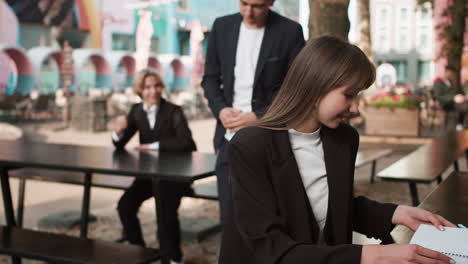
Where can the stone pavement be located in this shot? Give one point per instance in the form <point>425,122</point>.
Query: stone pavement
<point>43,199</point>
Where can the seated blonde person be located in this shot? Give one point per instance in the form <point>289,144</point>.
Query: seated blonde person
<point>162,126</point>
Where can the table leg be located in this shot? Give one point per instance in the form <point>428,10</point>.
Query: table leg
<point>455,166</point>
<point>466,157</point>
<point>414,193</point>
<point>372,176</point>
<point>7,201</point>
<point>161,234</point>
<point>8,204</point>
<point>439,179</point>
<point>85,205</point>
<point>21,190</point>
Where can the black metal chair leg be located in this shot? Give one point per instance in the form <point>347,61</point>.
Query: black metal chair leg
<point>414,193</point>
<point>8,204</point>
<point>455,166</point>
<point>466,157</point>
<point>372,176</point>
<point>85,205</point>
<point>21,194</point>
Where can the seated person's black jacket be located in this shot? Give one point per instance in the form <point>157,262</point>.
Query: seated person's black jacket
<point>171,128</point>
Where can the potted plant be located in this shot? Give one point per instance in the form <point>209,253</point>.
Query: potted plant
<point>392,112</point>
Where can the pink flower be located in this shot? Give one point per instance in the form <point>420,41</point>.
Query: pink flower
<point>396,98</point>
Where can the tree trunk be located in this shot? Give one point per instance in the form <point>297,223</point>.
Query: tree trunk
<point>329,17</point>
<point>365,40</point>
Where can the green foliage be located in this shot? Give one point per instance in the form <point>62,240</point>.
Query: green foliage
<point>393,101</point>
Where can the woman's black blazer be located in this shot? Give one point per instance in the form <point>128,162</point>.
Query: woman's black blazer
<point>273,221</point>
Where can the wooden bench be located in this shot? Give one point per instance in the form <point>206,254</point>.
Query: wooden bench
<point>54,248</point>
<point>198,190</point>
<point>427,163</point>
<point>449,199</point>
<point>367,156</point>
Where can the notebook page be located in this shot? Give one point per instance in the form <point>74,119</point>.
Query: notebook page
<point>453,242</point>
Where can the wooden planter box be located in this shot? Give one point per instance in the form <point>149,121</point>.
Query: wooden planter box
<point>399,122</point>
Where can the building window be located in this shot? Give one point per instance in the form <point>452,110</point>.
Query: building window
<point>382,38</point>
<point>382,21</point>
<point>155,45</point>
<point>403,41</point>
<point>123,42</point>
<point>401,68</point>
<point>403,22</point>
<point>425,14</point>
<point>424,71</point>
<point>404,14</point>
<point>423,41</point>
<point>424,37</point>
<point>383,15</point>
<point>183,4</point>
<point>184,42</point>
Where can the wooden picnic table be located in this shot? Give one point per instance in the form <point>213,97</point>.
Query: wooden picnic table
<point>161,167</point>
<point>427,163</point>
<point>449,199</point>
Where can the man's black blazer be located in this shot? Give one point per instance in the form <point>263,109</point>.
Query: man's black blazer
<point>273,221</point>
<point>171,128</point>
<point>282,41</point>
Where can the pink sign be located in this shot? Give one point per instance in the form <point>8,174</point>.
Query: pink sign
<point>115,18</point>
<point>8,25</point>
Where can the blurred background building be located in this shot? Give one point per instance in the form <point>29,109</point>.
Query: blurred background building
<point>103,35</point>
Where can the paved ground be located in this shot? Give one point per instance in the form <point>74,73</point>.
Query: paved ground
<point>46,198</point>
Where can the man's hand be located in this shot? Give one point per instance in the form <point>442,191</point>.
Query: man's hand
<point>240,121</point>
<point>412,217</point>
<point>227,114</point>
<point>120,124</point>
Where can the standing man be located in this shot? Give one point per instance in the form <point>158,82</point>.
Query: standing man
<point>451,100</point>
<point>248,56</point>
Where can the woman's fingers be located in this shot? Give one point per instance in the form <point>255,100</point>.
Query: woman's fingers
<point>436,221</point>
<point>425,255</point>
<point>446,222</point>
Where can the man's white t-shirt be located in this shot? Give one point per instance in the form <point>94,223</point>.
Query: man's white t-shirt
<point>248,50</point>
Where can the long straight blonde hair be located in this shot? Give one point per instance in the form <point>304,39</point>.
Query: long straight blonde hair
<point>324,64</point>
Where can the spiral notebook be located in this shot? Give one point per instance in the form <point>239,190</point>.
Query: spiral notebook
<point>452,242</point>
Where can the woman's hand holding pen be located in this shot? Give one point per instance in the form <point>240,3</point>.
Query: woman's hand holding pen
<point>412,217</point>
